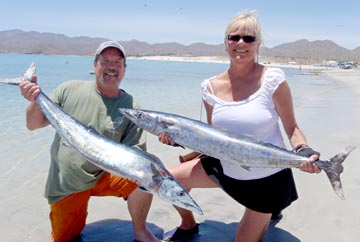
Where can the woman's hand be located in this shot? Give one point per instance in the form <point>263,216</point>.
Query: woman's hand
<point>165,139</point>
<point>309,166</point>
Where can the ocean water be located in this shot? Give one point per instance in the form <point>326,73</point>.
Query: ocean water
<point>325,110</point>
<point>168,86</point>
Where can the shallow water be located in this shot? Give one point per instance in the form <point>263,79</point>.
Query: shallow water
<point>324,110</point>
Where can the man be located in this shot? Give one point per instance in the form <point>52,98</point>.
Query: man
<point>72,180</point>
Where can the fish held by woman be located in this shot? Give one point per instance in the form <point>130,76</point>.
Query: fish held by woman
<point>241,149</point>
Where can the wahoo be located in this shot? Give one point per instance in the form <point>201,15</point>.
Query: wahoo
<point>244,150</point>
<point>110,156</point>
<point>25,77</point>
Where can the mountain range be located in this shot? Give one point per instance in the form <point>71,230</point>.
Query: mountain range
<point>33,42</point>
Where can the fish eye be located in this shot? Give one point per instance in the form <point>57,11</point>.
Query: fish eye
<point>181,194</point>
<point>139,115</point>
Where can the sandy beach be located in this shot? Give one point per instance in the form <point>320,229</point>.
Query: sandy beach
<point>318,214</point>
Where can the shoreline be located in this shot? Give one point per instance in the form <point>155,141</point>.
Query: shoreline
<point>224,59</point>
<point>347,75</point>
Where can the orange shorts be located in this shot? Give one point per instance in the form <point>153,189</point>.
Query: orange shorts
<point>68,216</point>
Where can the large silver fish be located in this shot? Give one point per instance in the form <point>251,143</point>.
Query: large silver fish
<point>246,151</point>
<point>110,156</point>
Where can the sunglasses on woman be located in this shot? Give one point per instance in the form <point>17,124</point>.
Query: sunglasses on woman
<point>245,38</point>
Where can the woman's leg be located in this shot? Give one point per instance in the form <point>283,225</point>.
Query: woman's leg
<point>252,226</point>
<point>190,174</point>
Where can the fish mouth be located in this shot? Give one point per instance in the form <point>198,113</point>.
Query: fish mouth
<point>172,191</point>
<point>189,204</point>
<point>194,208</point>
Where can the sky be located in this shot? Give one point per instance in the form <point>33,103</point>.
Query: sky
<point>186,21</point>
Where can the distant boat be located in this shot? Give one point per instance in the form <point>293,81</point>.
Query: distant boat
<point>91,72</point>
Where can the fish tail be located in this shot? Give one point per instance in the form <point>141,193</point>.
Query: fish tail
<point>333,168</point>
<point>27,76</point>
<point>30,71</point>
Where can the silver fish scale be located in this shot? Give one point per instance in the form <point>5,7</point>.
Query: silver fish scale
<point>225,146</point>
<point>120,162</point>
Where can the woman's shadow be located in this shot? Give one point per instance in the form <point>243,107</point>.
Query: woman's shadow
<point>215,231</point>
<point>115,230</point>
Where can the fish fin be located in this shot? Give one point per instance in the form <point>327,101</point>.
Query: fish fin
<point>143,189</point>
<point>177,145</point>
<point>333,168</point>
<point>157,174</point>
<point>157,171</point>
<point>166,124</point>
<point>248,168</point>
<point>153,169</point>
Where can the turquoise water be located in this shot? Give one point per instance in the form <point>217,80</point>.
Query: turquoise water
<point>167,86</point>
<point>325,110</point>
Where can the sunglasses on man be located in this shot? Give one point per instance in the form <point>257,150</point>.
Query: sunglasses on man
<point>245,38</point>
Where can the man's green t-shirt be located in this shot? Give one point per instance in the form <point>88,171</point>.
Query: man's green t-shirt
<point>69,172</point>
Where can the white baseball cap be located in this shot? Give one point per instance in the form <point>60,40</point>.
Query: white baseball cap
<point>110,44</point>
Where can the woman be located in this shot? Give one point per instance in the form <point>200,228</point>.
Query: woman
<point>248,98</point>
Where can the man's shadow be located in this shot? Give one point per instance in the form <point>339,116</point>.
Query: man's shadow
<point>115,230</point>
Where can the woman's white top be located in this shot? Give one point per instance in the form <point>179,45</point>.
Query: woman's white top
<point>254,116</point>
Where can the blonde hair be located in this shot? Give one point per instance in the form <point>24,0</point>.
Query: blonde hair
<point>249,22</point>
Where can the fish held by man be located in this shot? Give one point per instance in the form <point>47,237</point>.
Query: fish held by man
<point>241,149</point>
<point>25,77</point>
<point>116,158</point>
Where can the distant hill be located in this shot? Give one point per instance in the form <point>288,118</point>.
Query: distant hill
<point>18,41</point>
<point>32,42</point>
<point>319,49</point>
